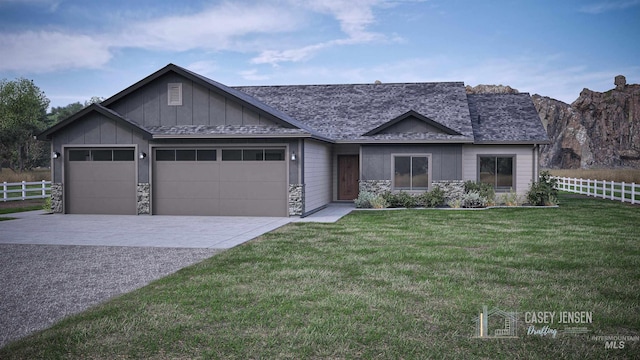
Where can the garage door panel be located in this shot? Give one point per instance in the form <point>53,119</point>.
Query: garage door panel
<point>266,208</point>
<point>191,190</point>
<point>225,188</point>
<point>265,190</point>
<point>234,171</point>
<point>186,171</point>
<point>195,207</point>
<point>100,187</point>
<point>103,189</point>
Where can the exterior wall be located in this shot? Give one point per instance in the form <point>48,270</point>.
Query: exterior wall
<point>317,174</point>
<point>96,129</point>
<point>200,106</point>
<point>446,160</point>
<point>524,162</point>
<point>377,187</point>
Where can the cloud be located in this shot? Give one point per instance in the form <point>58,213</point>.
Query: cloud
<point>204,67</point>
<point>354,18</point>
<point>47,51</point>
<point>216,28</point>
<point>601,7</point>
<point>253,75</point>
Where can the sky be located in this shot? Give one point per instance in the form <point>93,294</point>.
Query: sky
<point>74,50</point>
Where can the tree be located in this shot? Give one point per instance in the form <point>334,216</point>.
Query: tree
<point>23,109</point>
<point>59,113</point>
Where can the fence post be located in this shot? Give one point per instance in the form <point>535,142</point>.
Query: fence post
<point>623,195</point>
<point>633,193</point>
<point>44,188</point>
<point>4,191</point>
<point>24,189</point>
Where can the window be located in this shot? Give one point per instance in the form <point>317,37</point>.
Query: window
<point>411,172</point>
<point>185,155</point>
<point>101,155</point>
<point>497,171</point>
<point>253,155</point>
<point>174,94</point>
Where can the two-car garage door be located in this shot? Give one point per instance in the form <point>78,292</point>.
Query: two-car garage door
<point>225,182</point>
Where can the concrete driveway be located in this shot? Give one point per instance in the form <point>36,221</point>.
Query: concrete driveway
<point>213,232</point>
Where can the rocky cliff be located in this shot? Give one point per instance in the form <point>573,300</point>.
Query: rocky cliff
<point>599,129</point>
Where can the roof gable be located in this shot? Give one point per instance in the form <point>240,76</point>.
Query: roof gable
<point>97,108</point>
<point>412,122</point>
<point>250,102</point>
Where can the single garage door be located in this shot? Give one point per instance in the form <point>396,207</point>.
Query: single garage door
<point>220,182</point>
<point>100,181</point>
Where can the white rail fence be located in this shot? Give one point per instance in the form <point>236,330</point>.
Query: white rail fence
<point>625,192</point>
<point>25,190</point>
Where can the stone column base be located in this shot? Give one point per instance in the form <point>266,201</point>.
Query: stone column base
<point>143,198</point>
<point>296,199</point>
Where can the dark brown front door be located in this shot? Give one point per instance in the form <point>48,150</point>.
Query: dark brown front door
<point>347,177</point>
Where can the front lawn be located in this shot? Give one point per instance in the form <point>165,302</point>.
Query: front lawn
<point>382,284</point>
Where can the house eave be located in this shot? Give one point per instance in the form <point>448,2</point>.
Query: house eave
<point>241,136</point>
<point>404,142</point>
<point>513,142</point>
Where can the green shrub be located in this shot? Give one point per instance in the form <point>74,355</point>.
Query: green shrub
<point>400,199</point>
<point>364,200</point>
<point>455,203</point>
<point>431,198</point>
<point>511,198</point>
<point>543,192</point>
<point>46,205</point>
<point>485,190</point>
<point>473,199</point>
<point>378,202</point>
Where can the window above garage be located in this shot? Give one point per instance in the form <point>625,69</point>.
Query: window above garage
<point>101,155</point>
<point>186,155</point>
<point>253,154</point>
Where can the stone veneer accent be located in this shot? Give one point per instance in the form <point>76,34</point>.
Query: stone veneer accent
<point>56,198</point>
<point>377,187</point>
<point>296,199</point>
<point>453,189</point>
<point>143,194</point>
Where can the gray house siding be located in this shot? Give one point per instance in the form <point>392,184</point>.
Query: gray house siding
<point>446,160</point>
<point>148,106</point>
<point>94,130</point>
<point>317,175</point>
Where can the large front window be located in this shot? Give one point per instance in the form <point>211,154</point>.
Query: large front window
<point>411,172</point>
<point>497,171</point>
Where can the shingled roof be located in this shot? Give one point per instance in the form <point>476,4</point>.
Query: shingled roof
<point>348,112</point>
<point>505,118</point>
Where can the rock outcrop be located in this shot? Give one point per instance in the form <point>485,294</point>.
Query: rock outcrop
<point>599,129</point>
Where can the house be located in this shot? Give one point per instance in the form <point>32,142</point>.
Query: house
<point>179,143</point>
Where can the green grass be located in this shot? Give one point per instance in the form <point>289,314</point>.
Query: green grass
<point>380,284</point>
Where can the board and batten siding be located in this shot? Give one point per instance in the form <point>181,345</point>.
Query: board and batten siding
<point>524,171</point>
<point>317,175</point>
<point>148,106</point>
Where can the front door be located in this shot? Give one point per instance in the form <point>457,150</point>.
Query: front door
<point>348,172</point>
